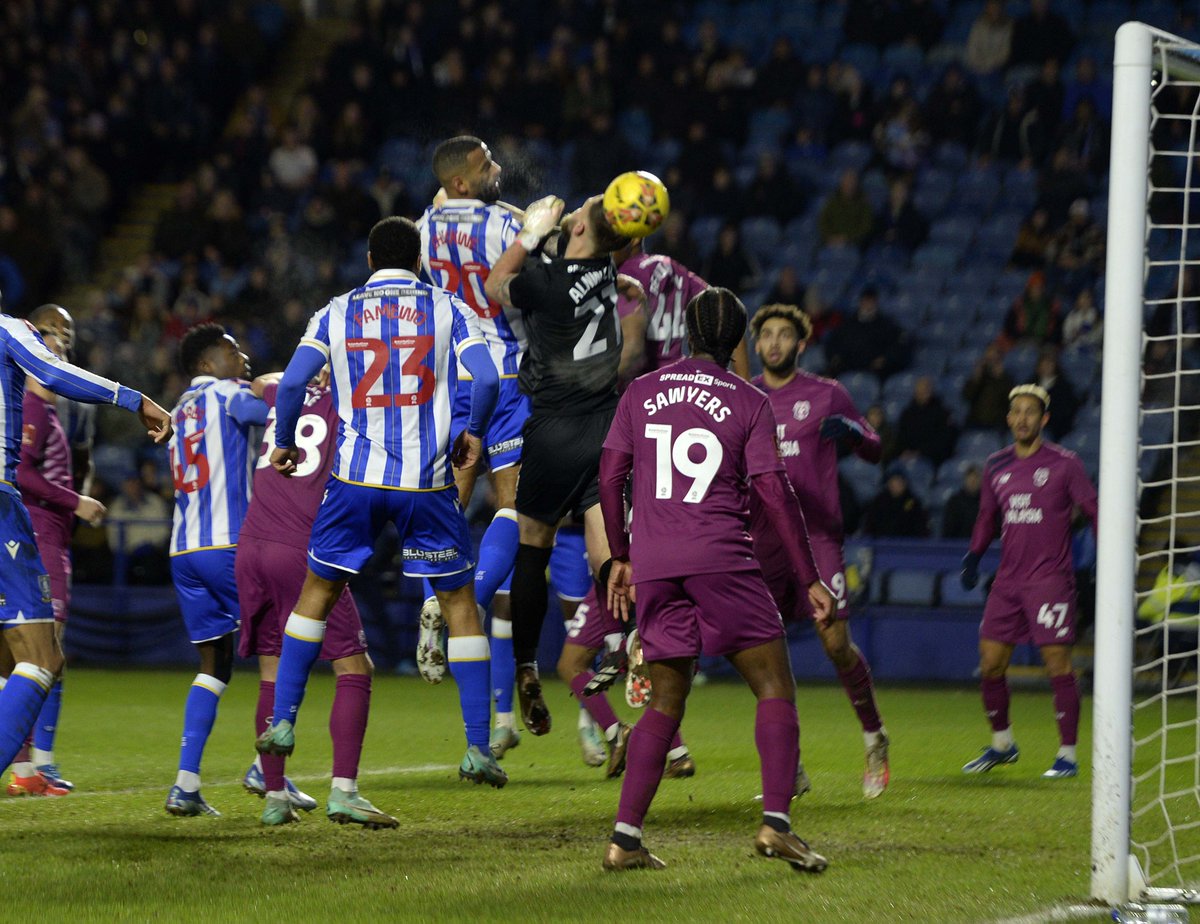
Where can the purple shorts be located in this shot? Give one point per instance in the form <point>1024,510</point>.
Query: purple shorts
<point>593,624</point>
<point>53,535</point>
<point>712,614</point>
<point>790,595</point>
<point>269,578</point>
<point>1018,612</point>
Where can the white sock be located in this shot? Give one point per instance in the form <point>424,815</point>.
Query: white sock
<point>611,732</point>
<point>622,828</point>
<point>258,759</point>
<point>345,784</point>
<point>870,739</point>
<point>188,781</point>
<point>23,768</point>
<point>676,753</point>
<point>280,794</point>
<point>1003,740</point>
<point>585,720</point>
<point>1067,752</point>
<point>504,720</point>
<point>41,758</point>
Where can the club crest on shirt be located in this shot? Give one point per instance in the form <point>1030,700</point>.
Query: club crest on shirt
<point>800,410</point>
<point>28,434</point>
<point>1041,476</point>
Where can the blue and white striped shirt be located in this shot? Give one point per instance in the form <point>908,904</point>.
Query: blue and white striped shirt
<point>389,344</point>
<point>461,240</point>
<point>22,352</point>
<point>212,462</point>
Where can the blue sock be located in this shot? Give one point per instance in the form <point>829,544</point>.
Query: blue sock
<point>497,552</point>
<point>198,716</point>
<point>427,588</point>
<point>470,665</point>
<point>302,639</point>
<point>504,668</point>
<point>20,701</point>
<point>47,720</point>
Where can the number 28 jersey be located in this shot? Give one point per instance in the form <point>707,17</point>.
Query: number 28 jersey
<point>389,346</point>
<point>697,434</point>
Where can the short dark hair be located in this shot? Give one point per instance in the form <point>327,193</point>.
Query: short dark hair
<point>394,243</point>
<point>41,312</point>
<point>716,322</point>
<point>196,342</point>
<point>450,156</point>
<point>796,315</point>
<point>607,240</point>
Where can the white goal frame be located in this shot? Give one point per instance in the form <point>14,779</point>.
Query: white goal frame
<point>1116,876</point>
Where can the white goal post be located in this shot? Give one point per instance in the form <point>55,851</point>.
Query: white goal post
<point>1146,750</point>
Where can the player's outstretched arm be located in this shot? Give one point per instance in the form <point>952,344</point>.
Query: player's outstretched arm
<point>259,385</point>
<point>485,390</point>
<point>787,516</point>
<point>540,219</point>
<point>615,466</point>
<point>631,307</point>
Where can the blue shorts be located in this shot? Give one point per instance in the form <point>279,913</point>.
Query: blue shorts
<point>207,591</point>
<point>569,573</point>
<point>502,442</point>
<point>24,584</point>
<point>434,536</point>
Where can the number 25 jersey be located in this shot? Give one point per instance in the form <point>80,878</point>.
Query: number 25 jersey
<point>697,434</point>
<point>389,345</point>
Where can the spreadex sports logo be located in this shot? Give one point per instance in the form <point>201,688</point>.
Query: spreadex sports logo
<point>700,378</point>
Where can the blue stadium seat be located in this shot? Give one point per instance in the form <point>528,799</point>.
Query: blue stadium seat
<point>116,463</point>
<point>899,387</point>
<point>863,477</point>
<point>977,445</point>
<point>636,128</point>
<point>938,257</point>
<point>903,59</point>
<point>863,387</point>
<point>952,593</point>
<point>856,154</point>
<point>813,358</point>
<point>893,408</point>
<point>931,360</point>
<point>843,259</point>
<point>761,237</point>
<point>920,473</point>
<point>1020,361</point>
<point>769,124</point>
<point>952,156</point>
<point>1080,367</point>
<point>959,229</point>
<point>909,587</point>
<point>1020,188</point>
<point>977,191</point>
<point>704,232</point>
<point>1157,427</point>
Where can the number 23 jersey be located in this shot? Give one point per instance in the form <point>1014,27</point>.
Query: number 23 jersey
<point>389,345</point>
<point>697,434</point>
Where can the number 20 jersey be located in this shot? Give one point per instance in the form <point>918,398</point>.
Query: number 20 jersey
<point>697,434</point>
<point>389,345</point>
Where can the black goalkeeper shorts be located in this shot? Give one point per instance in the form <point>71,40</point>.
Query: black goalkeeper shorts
<point>560,465</point>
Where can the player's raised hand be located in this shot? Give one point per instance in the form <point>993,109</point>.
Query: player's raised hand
<point>621,591</point>
<point>466,452</point>
<point>156,420</point>
<point>284,459</point>
<point>630,289</point>
<point>541,217</point>
<point>322,379</point>
<point>838,429</point>
<point>90,510</point>
<point>823,603</point>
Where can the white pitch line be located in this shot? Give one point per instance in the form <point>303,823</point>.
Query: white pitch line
<point>1061,913</point>
<point>304,778</point>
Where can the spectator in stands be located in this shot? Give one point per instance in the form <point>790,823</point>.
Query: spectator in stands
<point>919,22</point>
<point>989,43</point>
<point>870,341</point>
<point>1063,397</point>
<point>1086,83</point>
<point>986,391</point>
<point>1045,96</point>
<point>1086,136</point>
<point>787,289</point>
<point>824,316</point>
<point>180,230</point>
<point>902,140</point>
<point>846,219</point>
<point>676,242</point>
<point>852,110</point>
<point>1035,315</point>
<point>1041,35</point>
<point>1076,252</point>
<point>139,527</point>
<point>1083,327</point>
<point>815,105</point>
<point>953,109</point>
<point>293,163</point>
<point>926,428</point>
<point>600,153</point>
<point>1061,184</point>
<point>731,265</point>
<point>896,511</point>
<point>1033,238</point>
<point>962,507</point>
<point>226,237</point>
<point>782,73</point>
<point>1013,134</point>
<point>722,196</point>
<point>772,192</point>
<point>899,224</point>
<point>877,418</point>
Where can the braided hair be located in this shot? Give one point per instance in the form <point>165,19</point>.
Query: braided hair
<point>716,322</point>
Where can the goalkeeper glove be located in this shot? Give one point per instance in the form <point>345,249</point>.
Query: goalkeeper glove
<point>540,219</point>
<point>970,571</point>
<point>838,429</point>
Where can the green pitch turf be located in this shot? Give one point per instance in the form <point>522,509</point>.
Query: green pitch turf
<point>938,846</point>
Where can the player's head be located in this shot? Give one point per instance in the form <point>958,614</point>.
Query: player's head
<point>716,323</point>
<point>631,249</point>
<point>781,332</point>
<point>207,350</point>
<point>1028,413</point>
<point>56,326</point>
<point>394,243</point>
<point>590,225</point>
<point>464,167</point>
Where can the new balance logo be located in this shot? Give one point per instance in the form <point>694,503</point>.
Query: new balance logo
<point>13,547</point>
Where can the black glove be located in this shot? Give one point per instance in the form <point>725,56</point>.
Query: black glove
<point>839,429</point>
<point>970,571</point>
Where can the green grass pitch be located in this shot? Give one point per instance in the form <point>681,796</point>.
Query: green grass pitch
<point>938,846</point>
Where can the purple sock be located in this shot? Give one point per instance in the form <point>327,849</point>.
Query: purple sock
<point>348,722</point>
<point>272,765</point>
<point>1066,707</point>
<point>597,706</point>
<point>648,746</point>
<point>677,741</point>
<point>995,701</point>
<point>777,734</point>
<point>857,684</point>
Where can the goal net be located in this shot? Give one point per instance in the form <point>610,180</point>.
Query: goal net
<point>1146,750</point>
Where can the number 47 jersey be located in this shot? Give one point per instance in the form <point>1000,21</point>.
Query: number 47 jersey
<point>697,434</point>
<point>389,345</point>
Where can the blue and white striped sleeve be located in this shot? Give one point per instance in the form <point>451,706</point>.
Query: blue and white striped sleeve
<point>465,329</point>
<point>317,333</point>
<point>61,377</point>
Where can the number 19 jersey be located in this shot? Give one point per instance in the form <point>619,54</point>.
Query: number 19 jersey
<point>389,343</point>
<point>697,434</point>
